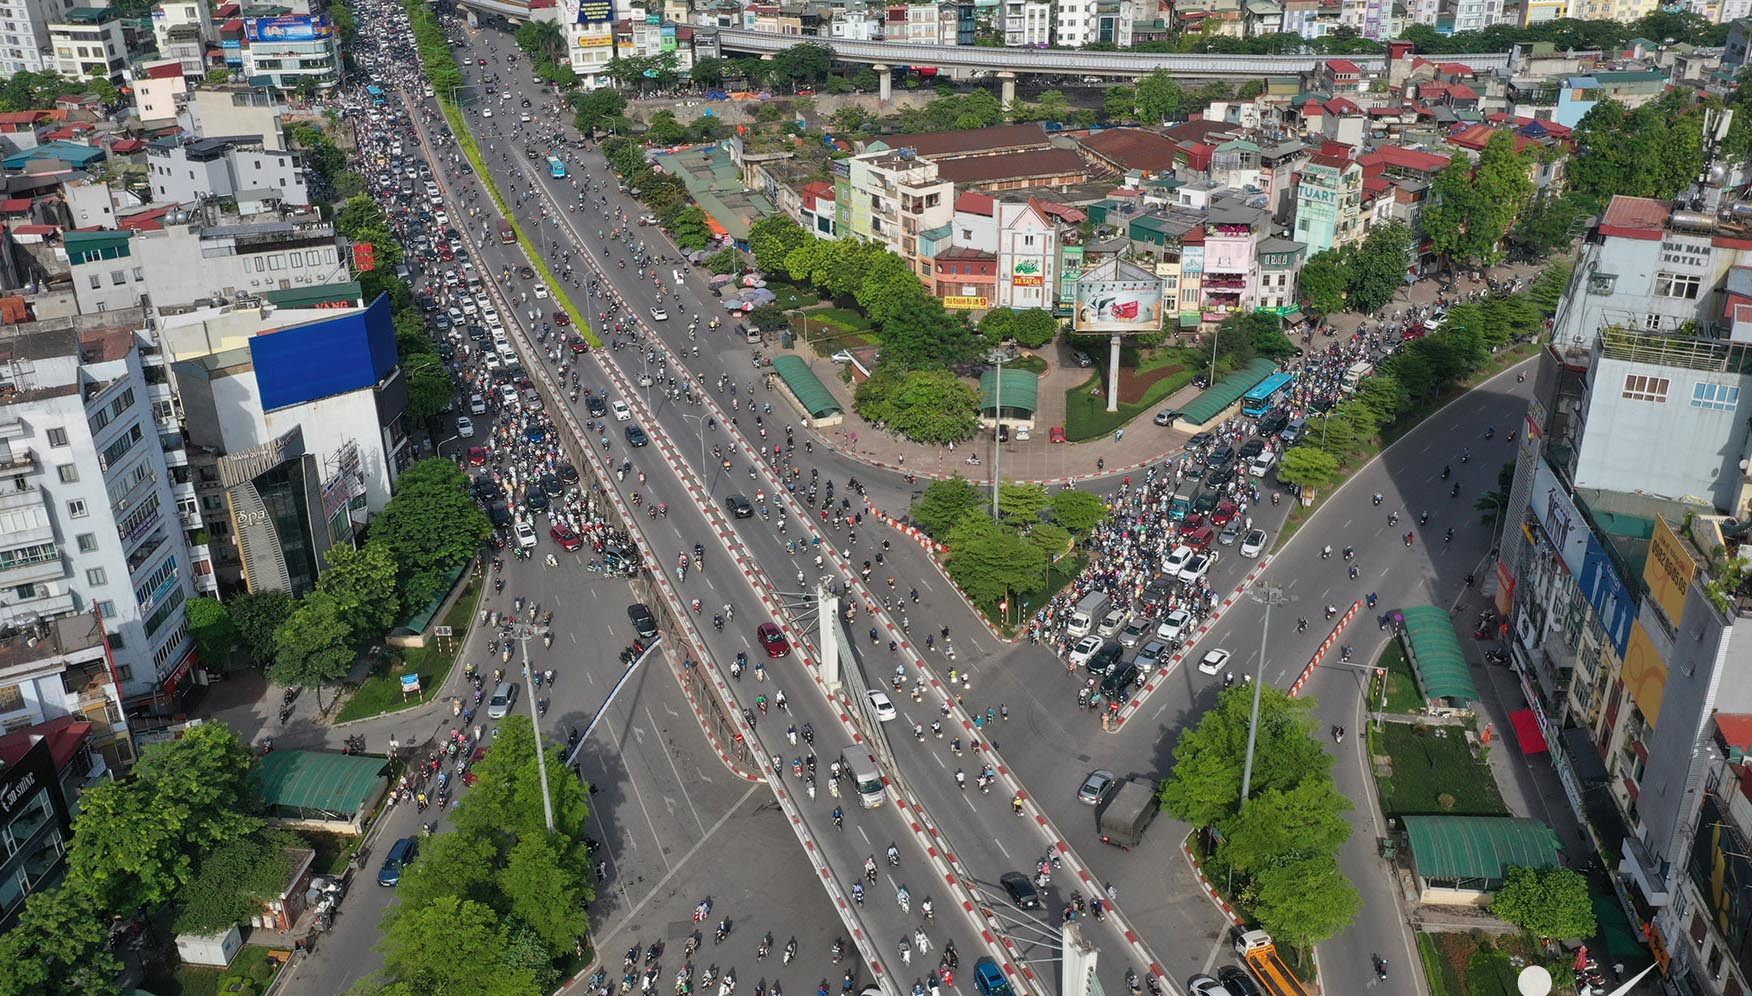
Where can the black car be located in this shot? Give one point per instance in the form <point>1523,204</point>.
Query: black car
<point>551,486</point>
<point>596,406</point>
<point>1117,686</point>
<point>499,514</point>
<point>1021,891</point>
<point>1251,449</point>
<point>1221,456</point>
<point>738,507</point>
<point>1221,476</point>
<point>526,273</point>
<point>1237,981</point>
<point>536,500</point>
<point>485,489</point>
<point>568,473</point>
<point>1155,595</point>
<point>636,437</point>
<point>1274,422</point>
<point>1105,658</point>
<point>1199,441</point>
<point>644,623</point>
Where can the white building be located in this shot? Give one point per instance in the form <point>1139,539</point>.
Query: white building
<point>1476,15</point>
<point>183,30</point>
<point>160,92</point>
<point>288,52</point>
<point>189,261</point>
<point>88,44</point>
<point>1027,244</point>
<point>24,35</point>
<point>856,25</point>
<point>1027,23</point>
<point>1372,19</point>
<point>59,669</point>
<point>1077,23</point>
<point>89,519</point>
<point>183,171</point>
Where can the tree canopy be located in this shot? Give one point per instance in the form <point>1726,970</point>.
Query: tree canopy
<point>1553,904</point>
<point>430,526</point>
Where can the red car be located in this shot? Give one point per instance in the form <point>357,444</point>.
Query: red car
<point>580,346</point>
<point>1224,514</point>
<point>774,641</point>
<point>1193,520</point>
<point>566,538</point>
<point>477,455</point>
<point>562,319</point>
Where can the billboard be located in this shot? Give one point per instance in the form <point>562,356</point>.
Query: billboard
<point>1119,306</point>
<point>595,11</point>
<point>320,359</point>
<point>289,28</point>
<point>1669,572</point>
<point>595,41</point>
<point>666,38</point>
<point>1614,605</point>
<point>963,302</point>
<point>1645,674</point>
<point>1027,273</point>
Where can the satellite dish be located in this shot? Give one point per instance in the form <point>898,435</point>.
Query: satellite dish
<point>1534,980</point>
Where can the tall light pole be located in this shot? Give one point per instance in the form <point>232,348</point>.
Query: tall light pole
<point>997,430</point>
<point>523,632</point>
<point>1269,595</point>
<point>701,419</point>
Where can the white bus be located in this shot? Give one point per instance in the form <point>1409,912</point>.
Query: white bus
<point>866,777</point>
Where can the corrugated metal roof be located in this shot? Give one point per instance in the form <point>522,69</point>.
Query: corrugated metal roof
<point>1021,390</point>
<point>1214,400</point>
<point>317,781</point>
<point>1436,658</point>
<point>810,391</point>
<point>1478,848</point>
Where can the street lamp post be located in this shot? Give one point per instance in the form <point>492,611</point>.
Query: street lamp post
<point>997,431</point>
<point>523,633</point>
<point>1269,595</point>
<point>701,419</point>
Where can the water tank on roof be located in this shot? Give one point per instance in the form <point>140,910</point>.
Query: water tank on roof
<point>1697,221</point>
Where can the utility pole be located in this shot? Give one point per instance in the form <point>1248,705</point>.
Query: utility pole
<point>997,431</point>
<point>524,632</point>
<point>1269,595</point>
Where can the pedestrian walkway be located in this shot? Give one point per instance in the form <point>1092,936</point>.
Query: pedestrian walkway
<point>1037,459</point>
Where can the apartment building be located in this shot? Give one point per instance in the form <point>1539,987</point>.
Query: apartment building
<point>292,51</point>
<point>43,770</point>
<point>1329,202</point>
<point>1027,23</point>
<point>890,196</point>
<point>1077,23</point>
<point>188,170</point>
<point>90,517</point>
<point>24,35</point>
<point>160,92</point>
<point>1231,257</point>
<point>56,670</point>
<point>183,29</point>
<point>1476,15</point>
<point>88,44</point>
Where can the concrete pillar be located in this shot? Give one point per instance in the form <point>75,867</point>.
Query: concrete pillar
<point>885,84</point>
<point>1007,80</point>
<point>1113,375</point>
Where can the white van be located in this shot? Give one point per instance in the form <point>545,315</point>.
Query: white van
<point>503,696</point>
<point>1262,463</point>
<point>866,776</point>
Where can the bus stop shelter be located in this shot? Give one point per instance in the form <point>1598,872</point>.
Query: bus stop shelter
<point>1221,396</point>
<point>1444,678</point>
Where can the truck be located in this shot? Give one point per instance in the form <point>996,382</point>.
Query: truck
<point>1128,813</point>
<point>1354,374</point>
<point>1179,506</point>
<point>1256,949</point>
<point>1088,610</point>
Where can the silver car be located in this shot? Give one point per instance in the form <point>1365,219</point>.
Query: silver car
<point>1133,632</point>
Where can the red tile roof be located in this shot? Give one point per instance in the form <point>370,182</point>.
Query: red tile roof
<point>1343,67</point>
<point>34,229</point>
<point>974,202</point>
<point>1642,218</point>
<point>1063,212</point>
<point>127,145</point>
<point>1413,159</point>
<point>1014,166</point>
<point>1454,69</point>
<point>1134,148</point>
<point>64,734</point>
<point>24,117</point>
<point>1736,729</point>
<point>15,205</point>
<point>1343,105</point>
<point>165,71</point>
<point>1328,160</point>
<point>542,4</point>
<point>149,220</point>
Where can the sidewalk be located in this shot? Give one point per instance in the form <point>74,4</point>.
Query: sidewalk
<point>1041,461</point>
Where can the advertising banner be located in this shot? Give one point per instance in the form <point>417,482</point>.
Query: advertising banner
<point>596,41</point>
<point>595,11</point>
<point>290,28</point>
<point>1119,306</point>
<point>1027,273</point>
<point>965,303</point>
<point>1614,606</point>
<point>666,40</point>
<point>1669,572</point>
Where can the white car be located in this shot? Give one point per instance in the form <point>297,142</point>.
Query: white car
<point>524,117</point>
<point>540,291</point>
<point>486,112</point>
<point>1173,625</point>
<point>1253,544</point>
<point>621,412</point>
<point>881,705</point>
<point>1213,661</point>
<point>526,535</point>
<point>1176,559</point>
<point>465,427</point>
<point>1198,567</point>
<point>1084,649</point>
<point>843,356</point>
<point>658,314</point>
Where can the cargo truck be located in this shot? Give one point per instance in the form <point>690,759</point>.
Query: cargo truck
<point>1128,813</point>
<point>1088,610</point>
<point>1262,958</point>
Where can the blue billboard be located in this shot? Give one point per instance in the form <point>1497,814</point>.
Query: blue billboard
<point>595,11</point>
<point>320,359</point>
<point>1613,603</point>
<point>289,28</point>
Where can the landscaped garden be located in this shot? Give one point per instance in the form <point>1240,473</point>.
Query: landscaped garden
<point>1422,769</point>
<point>382,691</point>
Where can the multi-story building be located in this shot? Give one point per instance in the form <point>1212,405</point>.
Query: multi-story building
<point>91,520</point>
<point>59,669</point>
<point>1632,88</point>
<point>921,23</point>
<point>160,92</point>
<point>194,258</point>
<point>183,30</point>
<point>1541,11</point>
<point>1476,15</point>
<point>43,770</point>
<point>856,25</point>
<point>1622,571</point>
<point>1231,258</point>
<point>88,44</point>
<point>1077,23</point>
<point>1329,202</point>
<point>292,51</point>
<point>188,170</point>
<point>1027,23</point>
<point>1623,11</point>
<point>646,40</point>
<point>890,196</point>
<point>1372,19</point>
<point>24,35</point>
<point>1708,904</point>
<point>1312,19</point>
<point>239,110</point>
<point>1280,260</point>
<point>1028,254</point>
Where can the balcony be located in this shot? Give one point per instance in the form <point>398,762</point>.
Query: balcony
<point>21,461</point>
<point>44,606</point>
<point>145,550</point>
<point>12,428</point>
<point>31,572</point>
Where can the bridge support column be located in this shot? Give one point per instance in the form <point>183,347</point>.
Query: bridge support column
<point>885,82</point>
<point>1007,83</point>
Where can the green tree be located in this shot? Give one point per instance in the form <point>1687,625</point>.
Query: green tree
<point>943,504</point>
<point>1159,98</point>
<point>726,260</point>
<point>1031,328</point>
<point>544,41</point>
<point>506,801</point>
<point>933,406</point>
<point>1119,103</point>
<point>233,879</point>
<point>1078,511</point>
<point>1306,466</point>
<point>886,286</point>
<point>1020,504</point>
<point>59,945</point>
<point>710,71</point>
<point>807,62</point>
<point>988,561</point>
<point>1325,279</point>
<point>215,635</point>
<point>1472,207</point>
<point>918,334</point>
<point>1301,821</point>
<point>689,228</point>
<point>545,890</point>
<point>596,109</point>
<point>1204,787</point>
<point>258,615</point>
<point>314,645</point>
<point>1550,222</point>
<point>1553,904</point>
<point>362,583</point>
<point>430,388</point>
<point>473,938</point>
<point>1379,267</point>
<point>1304,902</point>
<point>1053,105</point>
<point>361,219</point>
<point>431,526</point>
<point>772,240</point>
<point>1051,539</point>
<point>664,129</point>
<point>458,865</point>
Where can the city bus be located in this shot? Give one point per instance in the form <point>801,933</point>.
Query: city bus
<point>1267,395</point>
<point>375,92</point>
<point>556,169</point>
<point>865,776</point>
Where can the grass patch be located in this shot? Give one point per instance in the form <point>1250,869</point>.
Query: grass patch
<point>247,975</point>
<point>381,692</point>
<point>1402,694</point>
<point>332,851</point>
<point>1031,363</point>
<point>1155,359</point>
<point>1086,414</point>
<point>844,319</point>
<point>1433,772</point>
<point>1479,964</point>
<point>789,296</point>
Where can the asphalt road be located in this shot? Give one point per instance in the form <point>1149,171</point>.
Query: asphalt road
<point>1051,731</point>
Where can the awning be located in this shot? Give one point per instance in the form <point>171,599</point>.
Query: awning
<point>1527,732</point>
<point>1436,657</point>
<point>1189,320</point>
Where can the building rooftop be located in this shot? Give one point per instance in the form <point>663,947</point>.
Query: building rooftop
<point>1032,164</point>
<point>1134,148</point>
<point>49,638</point>
<point>974,202</point>
<point>1411,159</point>
<point>971,141</point>
<point>1636,218</point>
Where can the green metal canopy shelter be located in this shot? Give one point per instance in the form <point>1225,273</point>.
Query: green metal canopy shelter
<point>1021,393</point>
<point>1436,657</point>
<point>1475,852</point>
<point>1219,396</point>
<point>807,388</point>
<point>318,785</point>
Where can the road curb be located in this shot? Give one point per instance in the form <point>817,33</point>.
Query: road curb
<point>1325,645</point>
<point>1204,881</point>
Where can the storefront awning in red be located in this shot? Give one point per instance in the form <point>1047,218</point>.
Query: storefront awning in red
<point>1527,732</point>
